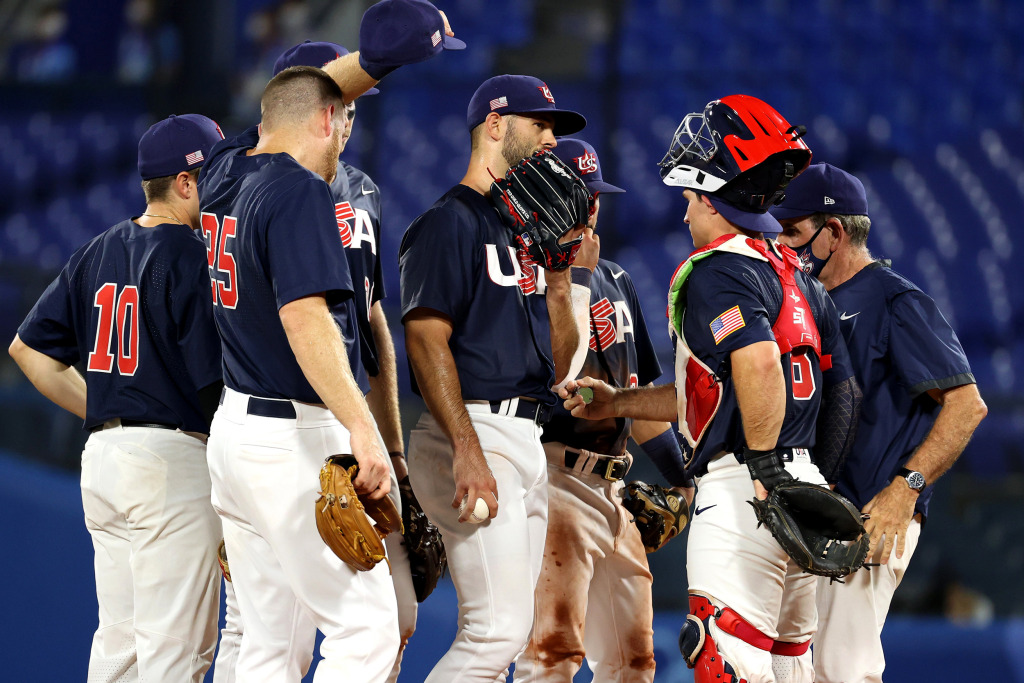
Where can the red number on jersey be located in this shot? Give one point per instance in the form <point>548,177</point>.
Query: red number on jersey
<point>100,358</point>
<point>219,258</point>
<point>802,376</point>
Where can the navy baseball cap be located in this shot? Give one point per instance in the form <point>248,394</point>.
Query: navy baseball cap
<point>762,222</point>
<point>513,94</point>
<point>581,157</point>
<point>176,144</point>
<point>822,188</point>
<point>311,53</point>
<point>413,31</point>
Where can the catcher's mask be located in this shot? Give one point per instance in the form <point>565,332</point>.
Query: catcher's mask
<point>739,149</point>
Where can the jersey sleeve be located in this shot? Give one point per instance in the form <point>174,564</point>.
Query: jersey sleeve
<point>648,367</point>
<point>925,350</point>
<point>379,291</point>
<point>436,264</point>
<point>192,312</point>
<point>306,255</point>
<point>49,327</point>
<point>725,311</point>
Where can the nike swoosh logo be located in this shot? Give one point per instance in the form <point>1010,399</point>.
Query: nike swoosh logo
<point>365,191</point>
<point>844,316</point>
<point>616,276</point>
<point>697,511</point>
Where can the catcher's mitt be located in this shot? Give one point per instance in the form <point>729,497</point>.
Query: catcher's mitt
<point>659,513</point>
<point>540,199</point>
<point>821,530</point>
<point>427,559</point>
<point>345,521</point>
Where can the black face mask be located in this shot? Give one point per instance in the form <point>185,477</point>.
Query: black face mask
<point>811,264</point>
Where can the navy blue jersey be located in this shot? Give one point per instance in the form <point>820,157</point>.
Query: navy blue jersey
<point>621,353</point>
<point>134,305</point>
<point>272,238</point>
<point>458,259</point>
<point>724,281</point>
<point>901,346</point>
<point>357,210</point>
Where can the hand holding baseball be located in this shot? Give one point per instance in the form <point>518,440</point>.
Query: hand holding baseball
<point>480,511</point>
<point>474,482</point>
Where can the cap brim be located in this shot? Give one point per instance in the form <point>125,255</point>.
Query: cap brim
<point>602,186</point>
<point>450,43</point>
<point>787,213</point>
<point>757,222</point>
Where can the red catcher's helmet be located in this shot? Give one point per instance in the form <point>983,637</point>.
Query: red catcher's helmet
<point>739,149</point>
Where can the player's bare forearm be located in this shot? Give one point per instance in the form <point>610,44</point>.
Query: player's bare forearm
<point>320,352</point>
<point>56,381</point>
<point>657,403</point>
<point>383,396</point>
<point>565,337</point>
<point>962,411</point>
<point>760,393</point>
<point>349,76</point>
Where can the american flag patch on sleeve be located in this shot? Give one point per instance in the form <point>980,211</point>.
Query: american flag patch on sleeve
<point>726,324</point>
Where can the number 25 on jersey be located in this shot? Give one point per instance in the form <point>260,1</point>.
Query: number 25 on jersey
<point>216,234</point>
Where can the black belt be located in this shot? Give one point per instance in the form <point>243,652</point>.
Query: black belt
<point>528,409</point>
<point>266,407</point>
<point>137,423</point>
<point>612,469</point>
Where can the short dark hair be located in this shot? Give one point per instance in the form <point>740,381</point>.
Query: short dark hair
<point>157,189</point>
<point>856,226</point>
<point>297,92</point>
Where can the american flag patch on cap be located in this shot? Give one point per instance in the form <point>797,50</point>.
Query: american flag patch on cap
<point>499,102</point>
<point>194,158</point>
<point>436,38</point>
<point>726,324</point>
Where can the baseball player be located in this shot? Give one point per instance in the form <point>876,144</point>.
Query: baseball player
<point>924,407</point>
<point>757,345</point>
<point>357,208</point>
<point>133,305</point>
<point>594,594</point>
<point>486,338</point>
<point>286,313</point>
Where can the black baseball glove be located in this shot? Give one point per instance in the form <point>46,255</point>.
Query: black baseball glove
<point>540,199</point>
<point>821,530</point>
<point>427,559</point>
<point>659,513</point>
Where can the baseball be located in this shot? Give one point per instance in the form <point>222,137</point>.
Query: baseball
<point>480,511</point>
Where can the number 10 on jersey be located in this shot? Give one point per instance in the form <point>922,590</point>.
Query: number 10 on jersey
<point>216,234</point>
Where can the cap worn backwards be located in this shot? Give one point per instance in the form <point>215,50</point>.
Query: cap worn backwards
<point>823,188</point>
<point>313,53</point>
<point>176,144</point>
<point>580,156</point>
<point>515,94</point>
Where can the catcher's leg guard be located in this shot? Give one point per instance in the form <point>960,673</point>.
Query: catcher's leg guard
<point>698,647</point>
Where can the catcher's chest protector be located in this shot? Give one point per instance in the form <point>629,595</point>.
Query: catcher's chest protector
<point>698,391</point>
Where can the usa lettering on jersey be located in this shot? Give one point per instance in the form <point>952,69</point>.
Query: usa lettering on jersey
<point>526,274</point>
<point>604,330</point>
<point>355,227</point>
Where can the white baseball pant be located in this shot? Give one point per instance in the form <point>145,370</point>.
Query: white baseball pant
<point>494,565</point>
<point>848,644</point>
<point>287,582</point>
<point>594,594</point>
<point>146,497</point>
<point>739,565</point>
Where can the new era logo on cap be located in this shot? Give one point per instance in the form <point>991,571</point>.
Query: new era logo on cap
<point>499,102</point>
<point>194,158</point>
<point>829,200</point>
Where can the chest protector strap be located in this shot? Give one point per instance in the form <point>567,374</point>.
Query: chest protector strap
<point>698,390</point>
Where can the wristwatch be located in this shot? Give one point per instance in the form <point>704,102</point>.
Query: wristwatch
<point>915,480</point>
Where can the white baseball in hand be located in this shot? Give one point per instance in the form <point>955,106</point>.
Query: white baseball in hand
<point>480,511</point>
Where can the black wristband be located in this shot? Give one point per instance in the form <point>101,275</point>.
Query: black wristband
<point>766,467</point>
<point>396,454</point>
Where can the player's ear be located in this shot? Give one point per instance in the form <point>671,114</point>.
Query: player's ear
<point>836,234</point>
<point>183,185</point>
<point>495,126</point>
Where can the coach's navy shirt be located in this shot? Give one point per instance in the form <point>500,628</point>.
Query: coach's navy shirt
<point>357,210</point>
<point>458,259</point>
<point>717,284</point>
<point>272,236</point>
<point>619,345</point>
<point>134,304</point>
<point>901,346</point>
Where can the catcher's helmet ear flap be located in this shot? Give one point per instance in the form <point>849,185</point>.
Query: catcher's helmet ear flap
<point>740,149</point>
